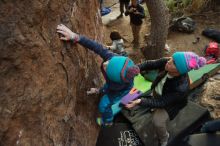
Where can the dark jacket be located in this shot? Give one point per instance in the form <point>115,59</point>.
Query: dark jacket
<point>136,19</point>
<point>111,88</point>
<point>174,93</point>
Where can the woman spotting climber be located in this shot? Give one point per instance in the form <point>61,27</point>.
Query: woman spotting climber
<point>170,89</point>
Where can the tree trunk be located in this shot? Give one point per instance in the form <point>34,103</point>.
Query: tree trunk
<point>159,29</point>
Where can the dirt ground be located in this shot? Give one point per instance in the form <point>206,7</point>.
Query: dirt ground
<point>209,93</point>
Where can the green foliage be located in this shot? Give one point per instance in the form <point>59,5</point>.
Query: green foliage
<point>171,5</point>
<point>177,6</point>
<point>174,5</point>
<point>186,3</point>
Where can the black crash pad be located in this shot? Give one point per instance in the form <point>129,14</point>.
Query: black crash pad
<point>212,33</point>
<point>204,139</point>
<point>119,134</point>
<point>187,121</point>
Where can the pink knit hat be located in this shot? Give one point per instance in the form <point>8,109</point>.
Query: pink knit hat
<point>186,61</point>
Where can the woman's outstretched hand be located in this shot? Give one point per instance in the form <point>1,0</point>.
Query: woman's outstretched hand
<point>67,34</point>
<point>133,103</point>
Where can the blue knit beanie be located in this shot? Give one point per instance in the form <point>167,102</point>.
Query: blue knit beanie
<point>186,61</point>
<point>121,69</point>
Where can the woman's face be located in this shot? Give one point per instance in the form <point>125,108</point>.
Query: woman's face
<point>171,68</point>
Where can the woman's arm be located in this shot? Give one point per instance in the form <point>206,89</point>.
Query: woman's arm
<point>153,64</point>
<point>176,96</point>
<point>163,101</point>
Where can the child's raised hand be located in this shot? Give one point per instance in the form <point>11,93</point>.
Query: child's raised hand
<point>93,91</point>
<point>66,33</point>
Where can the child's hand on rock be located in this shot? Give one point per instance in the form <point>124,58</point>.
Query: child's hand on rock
<point>93,91</point>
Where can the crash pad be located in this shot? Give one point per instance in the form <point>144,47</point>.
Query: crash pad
<point>204,139</point>
<point>200,75</point>
<point>188,120</point>
<point>119,134</point>
<point>141,84</point>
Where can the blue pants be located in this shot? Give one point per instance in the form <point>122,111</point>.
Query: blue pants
<point>105,109</point>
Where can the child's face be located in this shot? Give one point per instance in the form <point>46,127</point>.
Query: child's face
<point>171,68</point>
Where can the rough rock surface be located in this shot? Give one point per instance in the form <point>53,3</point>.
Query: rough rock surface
<point>210,97</point>
<point>42,80</point>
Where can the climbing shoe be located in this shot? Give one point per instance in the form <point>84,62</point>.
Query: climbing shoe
<point>100,122</point>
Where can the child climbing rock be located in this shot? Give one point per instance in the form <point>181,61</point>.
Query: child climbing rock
<point>119,72</point>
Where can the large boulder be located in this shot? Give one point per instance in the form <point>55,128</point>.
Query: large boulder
<point>42,80</point>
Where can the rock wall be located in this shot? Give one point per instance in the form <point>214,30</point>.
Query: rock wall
<point>210,96</point>
<point>43,80</point>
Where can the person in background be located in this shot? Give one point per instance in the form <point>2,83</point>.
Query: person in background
<point>123,4</point>
<point>118,71</point>
<point>117,43</point>
<point>136,13</point>
<point>169,89</point>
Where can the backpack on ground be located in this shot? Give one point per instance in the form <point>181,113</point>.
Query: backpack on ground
<point>212,52</point>
<point>183,24</point>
